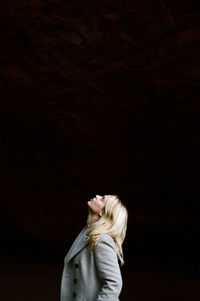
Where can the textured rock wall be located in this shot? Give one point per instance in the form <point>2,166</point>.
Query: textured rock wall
<point>98,97</point>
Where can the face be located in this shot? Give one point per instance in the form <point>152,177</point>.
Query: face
<point>97,204</point>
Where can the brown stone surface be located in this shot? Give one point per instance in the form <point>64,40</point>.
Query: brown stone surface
<point>98,97</point>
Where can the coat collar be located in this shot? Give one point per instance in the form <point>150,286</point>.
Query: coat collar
<point>80,242</point>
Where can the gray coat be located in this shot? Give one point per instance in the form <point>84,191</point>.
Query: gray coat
<point>91,275</point>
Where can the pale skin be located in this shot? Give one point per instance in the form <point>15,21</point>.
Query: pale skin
<point>96,207</point>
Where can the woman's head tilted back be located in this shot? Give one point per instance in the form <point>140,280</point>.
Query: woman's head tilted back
<point>107,215</point>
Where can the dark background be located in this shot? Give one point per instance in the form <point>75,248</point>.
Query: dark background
<point>100,97</point>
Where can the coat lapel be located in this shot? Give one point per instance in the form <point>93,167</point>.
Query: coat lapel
<point>80,242</point>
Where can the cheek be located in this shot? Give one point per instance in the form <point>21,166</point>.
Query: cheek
<point>94,207</point>
<point>97,206</point>
<point>101,206</point>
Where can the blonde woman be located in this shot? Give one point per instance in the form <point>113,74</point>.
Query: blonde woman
<point>91,267</point>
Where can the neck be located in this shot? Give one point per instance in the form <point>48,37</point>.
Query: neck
<point>92,217</point>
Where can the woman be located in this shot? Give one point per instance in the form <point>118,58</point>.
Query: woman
<point>91,267</point>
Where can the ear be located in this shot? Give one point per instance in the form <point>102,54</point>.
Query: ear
<point>100,213</point>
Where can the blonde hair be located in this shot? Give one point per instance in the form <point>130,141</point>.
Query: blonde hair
<point>113,222</point>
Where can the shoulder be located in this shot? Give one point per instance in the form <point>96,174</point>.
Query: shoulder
<point>105,252</point>
<point>106,240</point>
<point>106,237</point>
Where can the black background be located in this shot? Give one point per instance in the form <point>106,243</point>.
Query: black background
<point>100,98</point>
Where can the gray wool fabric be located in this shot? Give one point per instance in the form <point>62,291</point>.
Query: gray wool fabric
<point>91,275</point>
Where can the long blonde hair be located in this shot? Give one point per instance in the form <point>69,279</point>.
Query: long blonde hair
<point>113,222</point>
